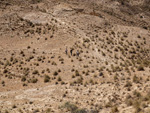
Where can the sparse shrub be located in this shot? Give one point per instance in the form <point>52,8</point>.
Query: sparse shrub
<point>71,60</point>
<point>86,40</point>
<point>137,106</point>
<point>6,111</point>
<point>49,61</point>
<point>103,53</point>
<point>137,94</point>
<point>77,73</point>
<point>70,107</point>
<point>24,84</point>
<point>36,64</point>
<point>83,72</point>
<point>26,71</point>
<point>72,70</point>
<point>36,110</point>
<point>43,71</point>
<point>54,63</point>
<point>106,62</point>
<point>48,110</point>
<point>61,59</point>
<point>91,81</point>
<point>115,77</point>
<point>79,80</point>
<point>87,73</point>
<point>21,52</point>
<point>5,71</point>
<point>128,84</point>
<point>23,79</point>
<point>59,70</point>
<point>14,106</point>
<point>34,80</point>
<point>48,70</point>
<point>80,59</point>
<point>56,82</point>
<point>136,79</point>
<point>140,68</point>
<point>114,109</point>
<point>139,36</point>
<point>64,95</point>
<point>73,76</point>
<point>55,73</point>
<point>15,61</point>
<point>62,82</point>
<point>129,102</point>
<point>11,59</point>
<point>35,72</point>
<point>59,79</point>
<point>85,66</point>
<point>109,104</point>
<point>20,111</point>
<point>39,59</point>
<point>28,47</point>
<point>31,102</point>
<point>95,76</point>
<point>92,71</point>
<point>46,78</point>
<point>3,82</point>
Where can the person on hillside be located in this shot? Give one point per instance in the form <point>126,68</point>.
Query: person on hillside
<point>71,50</point>
<point>77,53</point>
<point>66,51</point>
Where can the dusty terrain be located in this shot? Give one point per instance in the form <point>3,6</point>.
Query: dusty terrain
<point>110,75</point>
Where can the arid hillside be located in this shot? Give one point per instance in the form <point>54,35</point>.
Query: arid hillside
<point>74,56</point>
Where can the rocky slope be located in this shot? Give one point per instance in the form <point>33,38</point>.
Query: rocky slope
<point>111,73</point>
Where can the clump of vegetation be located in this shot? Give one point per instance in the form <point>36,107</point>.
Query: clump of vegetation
<point>3,83</point>
<point>33,80</point>
<point>115,78</point>
<point>48,110</point>
<point>77,73</point>
<point>114,109</point>
<point>5,71</point>
<point>59,78</point>
<point>35,72</point>
<point>80,80</point>
<point>128,84</point>
<point>24,84</point>
<point>46,78</point>
<point>137,106</point>
<point>73,108</point>
<point>54,63</point>
<point>136,79</point>
<point>36,110</point>
<point>23,79</point>
<point>140,68</point>
<point>55,73</point>
<point>129,102</point>
<point>6,111</point>
<point>14,106</point>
